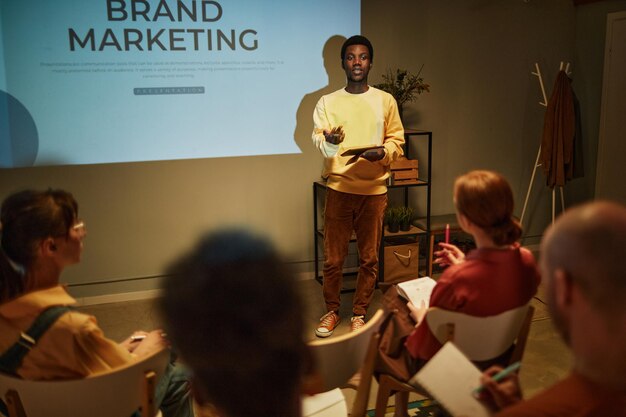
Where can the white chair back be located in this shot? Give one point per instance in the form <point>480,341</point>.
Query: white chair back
<point>118,393</point>
<point>479,338</point>
<point>337,359</point>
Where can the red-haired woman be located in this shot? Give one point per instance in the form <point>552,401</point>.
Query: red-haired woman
<point>497,276</point>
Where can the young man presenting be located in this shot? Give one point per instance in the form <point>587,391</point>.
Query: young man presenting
<point>355,116</point>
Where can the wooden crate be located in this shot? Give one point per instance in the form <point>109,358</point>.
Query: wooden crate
<point>403,163</point>
<point>405,174</point>
<point>404,171</point>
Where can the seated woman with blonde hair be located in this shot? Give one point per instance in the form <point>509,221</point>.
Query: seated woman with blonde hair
<point>497,276</point>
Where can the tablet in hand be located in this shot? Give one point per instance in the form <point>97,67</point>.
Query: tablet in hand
<point>358,150</point>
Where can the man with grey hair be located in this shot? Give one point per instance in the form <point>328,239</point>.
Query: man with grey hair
<point>584,264</point>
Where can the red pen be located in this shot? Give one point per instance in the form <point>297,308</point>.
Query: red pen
<point>447,233</point>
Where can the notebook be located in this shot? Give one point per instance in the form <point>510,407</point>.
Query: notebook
<point>417,290</point>
<point>325,404</point>
<point>450,378</point>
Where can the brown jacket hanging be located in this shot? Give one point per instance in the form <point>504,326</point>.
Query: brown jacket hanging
<point>557,143</point>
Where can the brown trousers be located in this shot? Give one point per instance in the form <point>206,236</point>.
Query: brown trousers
<point>343,214</point>
<point>393,357</point>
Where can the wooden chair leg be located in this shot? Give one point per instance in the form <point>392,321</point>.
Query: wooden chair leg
<point>148,408</point>
<point>430,253</point>
<point>382,397</point>
<point>14,404</point>
<point>402,402</point>
<point>359,407</point>
<point>522,336</point>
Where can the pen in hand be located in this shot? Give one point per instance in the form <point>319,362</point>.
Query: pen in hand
<point>499,376</point>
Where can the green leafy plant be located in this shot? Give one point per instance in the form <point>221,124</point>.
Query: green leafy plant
<point>403,86</point>
<point>406,215</point>
<point>392,218</point>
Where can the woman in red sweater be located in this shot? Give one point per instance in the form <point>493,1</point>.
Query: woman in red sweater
<point>497,276</point>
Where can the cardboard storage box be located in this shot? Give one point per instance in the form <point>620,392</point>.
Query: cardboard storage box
<point>401,262</point>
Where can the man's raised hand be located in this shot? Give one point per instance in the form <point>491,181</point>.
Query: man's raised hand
<point>335,135</point>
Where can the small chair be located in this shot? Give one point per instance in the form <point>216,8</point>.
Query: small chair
<point>118,393</point>
<point>437,227</point>
<point>338,359</point>
<point>479,338</point>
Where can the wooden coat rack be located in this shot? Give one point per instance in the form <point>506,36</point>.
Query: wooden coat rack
<point>562,67</point>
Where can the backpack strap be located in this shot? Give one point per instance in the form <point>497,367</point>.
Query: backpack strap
<point>12,358</point>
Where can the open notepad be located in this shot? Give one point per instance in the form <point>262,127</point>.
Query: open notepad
<point>329,403</point>
<point>450,378</point>
<point>417,290</point>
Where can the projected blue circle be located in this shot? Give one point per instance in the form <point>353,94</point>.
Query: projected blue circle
<point>19,140</point>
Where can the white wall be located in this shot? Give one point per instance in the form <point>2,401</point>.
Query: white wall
<point>590,46</point>
<point>611,169</point>
<point>139,216</point>
<point>483,106</point>
<point>483,110</point>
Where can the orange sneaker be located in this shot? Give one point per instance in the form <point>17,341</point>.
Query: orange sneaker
<point>327,325</point>
<point>356,322</point>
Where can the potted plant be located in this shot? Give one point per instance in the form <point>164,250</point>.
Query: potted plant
<point>403,86</point>
<point>406,215</point>
<point>392,218</point>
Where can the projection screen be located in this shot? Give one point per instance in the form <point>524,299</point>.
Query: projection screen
<point>102,81</point>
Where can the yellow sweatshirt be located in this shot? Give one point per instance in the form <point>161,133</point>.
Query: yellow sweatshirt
<point>369,118</point>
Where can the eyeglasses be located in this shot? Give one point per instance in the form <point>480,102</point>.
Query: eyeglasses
<point>80,227</point>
